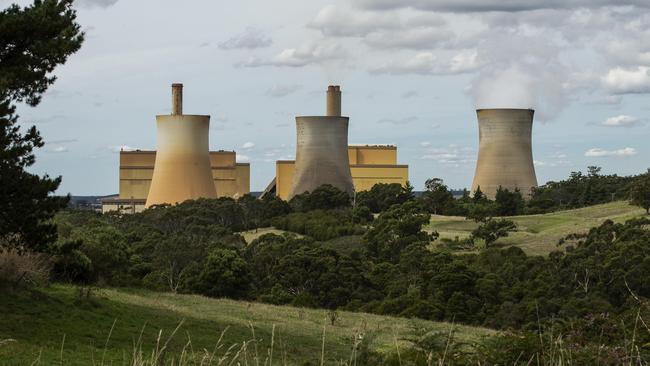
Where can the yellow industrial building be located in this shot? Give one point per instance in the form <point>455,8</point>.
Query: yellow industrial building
<point>231,179</point>
<point>369,165</point>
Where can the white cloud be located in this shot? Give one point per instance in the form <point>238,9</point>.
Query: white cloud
<point>453,155</point>
<point>118,148</point>
<point>278,91</point>
<point>309,53</point>
<point>425,144</point>
<point>60,149</point>
<point>248,145</point>
<point>251,38</point>
<point>621,121</point>
<point>628,81</point>
<point>543,163</point>
<point>598,152</point>
<point>243,158</point>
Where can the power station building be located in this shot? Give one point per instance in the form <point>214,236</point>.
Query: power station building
<point>323,156</point>
<point>505,155</point>
<point>181,169</point>
<point>322,149</point>
<point>369,165</point>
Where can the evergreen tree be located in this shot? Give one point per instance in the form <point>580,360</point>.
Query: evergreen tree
<point>640,192</point>
<point>33,41</point>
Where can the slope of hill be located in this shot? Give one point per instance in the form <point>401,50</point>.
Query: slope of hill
<point>56,325</point>
<point>539,234</point>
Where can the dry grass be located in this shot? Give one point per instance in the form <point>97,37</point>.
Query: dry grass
<point>23,269</point>
<point>251,235</point>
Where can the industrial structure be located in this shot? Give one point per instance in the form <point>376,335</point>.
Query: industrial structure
<point>182,168</point>
<point>322,149</point>
<point>231,179</point>
<point>369,165</point>
<point>505,155</point>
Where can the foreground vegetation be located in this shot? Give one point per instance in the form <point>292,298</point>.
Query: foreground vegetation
<point>58,325</point>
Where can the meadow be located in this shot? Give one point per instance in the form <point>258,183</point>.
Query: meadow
<point>540,234</point>
<point>60,325</point>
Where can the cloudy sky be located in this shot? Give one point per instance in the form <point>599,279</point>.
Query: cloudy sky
<point>412,73</point>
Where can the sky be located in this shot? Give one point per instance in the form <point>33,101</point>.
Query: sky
<point>412,74</point>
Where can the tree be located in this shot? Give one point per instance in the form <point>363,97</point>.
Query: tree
<point>479,196</point>
<point>383,195</point>
<point>640,192</point>
<point>509,203</point>
<point>395,229</point>
<point>437,197</point>
<point>491,230</point>
<point>325,197</point>
<point>33,41</point>
<point>225,274</point>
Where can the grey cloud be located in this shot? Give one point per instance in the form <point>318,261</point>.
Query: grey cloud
<point>413,38</point>
<point>251,38</point>
<point>427,63</point>
<point>462,6</point>
<point>400,121</point>
<point>57,142</point>
<point>410,94</point>
<point>345,22</point>
<point>279,91</point>
<point>96,3</point>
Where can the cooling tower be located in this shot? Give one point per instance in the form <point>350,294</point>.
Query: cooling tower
<point>182,169</point>
<point>322,149</point>
<point>505,155</point>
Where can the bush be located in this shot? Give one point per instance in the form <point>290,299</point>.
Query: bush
<point>26,269</point>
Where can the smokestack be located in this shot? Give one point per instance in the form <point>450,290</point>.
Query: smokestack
<point>322,149</point>
<point>177,99</point>
<point>505,155</point>
<point>333,101</point>
<point>182,170</point>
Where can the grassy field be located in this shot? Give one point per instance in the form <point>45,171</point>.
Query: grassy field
<point>251,235</point>
<point>55,326</point>
<point>539,234</point>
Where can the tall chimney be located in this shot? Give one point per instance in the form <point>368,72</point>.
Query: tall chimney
<point>177,99</point>
<point>334,101</point>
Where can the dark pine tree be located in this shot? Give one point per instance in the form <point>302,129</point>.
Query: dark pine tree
<point>33,41</point>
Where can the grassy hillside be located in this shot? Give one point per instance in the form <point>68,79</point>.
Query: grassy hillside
<point>539,234</point>
<point>56,326</point>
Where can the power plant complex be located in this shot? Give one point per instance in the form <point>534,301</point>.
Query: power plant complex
<point>183,168</point>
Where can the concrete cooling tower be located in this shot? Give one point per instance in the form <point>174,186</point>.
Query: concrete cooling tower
<point>505,155</point>
<point>322,149</point>
<point>182,168</point>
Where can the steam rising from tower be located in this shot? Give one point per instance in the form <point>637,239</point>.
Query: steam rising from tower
<point>505,156</point>
<point>322,149</point>
<point>182,169</point>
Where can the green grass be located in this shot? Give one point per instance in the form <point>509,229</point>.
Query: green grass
<point>539,234</point>
<point>54,326</point>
